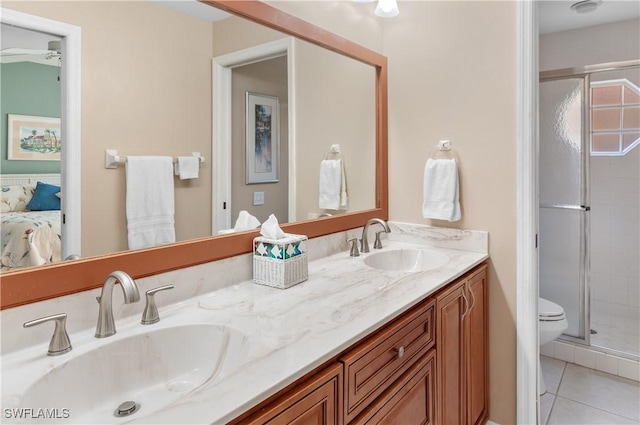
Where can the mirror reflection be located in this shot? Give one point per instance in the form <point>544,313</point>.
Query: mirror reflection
<point>147,90</point>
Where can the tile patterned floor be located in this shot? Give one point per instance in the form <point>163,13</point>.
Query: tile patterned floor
<point>580,396</point>
<point>620,333</point>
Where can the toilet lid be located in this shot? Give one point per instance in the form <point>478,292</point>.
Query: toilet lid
<point>549,310</point>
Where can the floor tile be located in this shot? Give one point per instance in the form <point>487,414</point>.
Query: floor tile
<point>568,412</point>
<point>617,333</point>
<point>552,370</point>
<point>546,402</point>
<point>600,390</point>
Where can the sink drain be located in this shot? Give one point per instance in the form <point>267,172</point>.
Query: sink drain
<point>127,408</point>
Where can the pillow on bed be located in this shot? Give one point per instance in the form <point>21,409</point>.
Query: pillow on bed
<point>15,197</point>
<point>44,198</point>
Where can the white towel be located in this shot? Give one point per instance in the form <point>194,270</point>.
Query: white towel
<point>441,194</point>
<point>344,198</point>
<point>150,201</point>
<point>330,184</point>
<point>187,167</point>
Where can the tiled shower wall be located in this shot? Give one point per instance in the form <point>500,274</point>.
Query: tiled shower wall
<point>615,236</point>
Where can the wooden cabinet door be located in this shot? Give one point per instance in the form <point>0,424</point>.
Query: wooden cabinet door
<point>409,401</point>
<point>317,401</point>
<point>477,349</point>
<point>450,347</point>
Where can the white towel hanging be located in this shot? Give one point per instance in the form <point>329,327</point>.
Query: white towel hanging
<point>150,201</point>
<point>330,184</point>
<point>333,181</point>
<point>187,167</point>
<point>440,186</point>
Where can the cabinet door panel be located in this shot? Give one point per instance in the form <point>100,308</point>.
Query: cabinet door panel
<point>450,345</point>
<point>477,365</point>
<point>409,401</point>
<point>315,402</point>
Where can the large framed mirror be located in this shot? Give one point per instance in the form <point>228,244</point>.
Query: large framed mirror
<point>34,284</point>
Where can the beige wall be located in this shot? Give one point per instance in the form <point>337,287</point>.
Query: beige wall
<point>268,78</point>
<point>452,75</point>
<point>589,46</point>
<point>334,98</point>
<point>146,90</point>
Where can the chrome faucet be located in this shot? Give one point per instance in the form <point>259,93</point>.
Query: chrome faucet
<point>365,241</point>
<point>106,325</point>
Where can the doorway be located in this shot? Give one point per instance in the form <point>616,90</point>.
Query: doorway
<point>70,118</point>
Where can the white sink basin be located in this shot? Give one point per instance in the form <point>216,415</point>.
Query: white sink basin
<point>153,369</point>
<point>406,260</point>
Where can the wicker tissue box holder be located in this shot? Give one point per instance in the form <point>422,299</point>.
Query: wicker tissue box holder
<point>280,263</point>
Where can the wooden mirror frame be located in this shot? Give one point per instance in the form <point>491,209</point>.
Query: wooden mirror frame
<point>45,282</point>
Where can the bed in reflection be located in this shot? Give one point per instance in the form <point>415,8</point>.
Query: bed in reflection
<point>30,220</point>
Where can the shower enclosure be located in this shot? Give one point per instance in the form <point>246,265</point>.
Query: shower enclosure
<point>589,206</point>
<point>564,207</point>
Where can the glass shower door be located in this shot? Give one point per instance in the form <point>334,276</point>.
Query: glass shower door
<point>563,212</point>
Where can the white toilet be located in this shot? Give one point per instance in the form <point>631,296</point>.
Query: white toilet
<point>552,322</point>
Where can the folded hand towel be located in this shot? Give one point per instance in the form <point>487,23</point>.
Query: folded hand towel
<point>440,199</point>
<point>187,167</point>
<point>150,201</point>
<point>330,184</point>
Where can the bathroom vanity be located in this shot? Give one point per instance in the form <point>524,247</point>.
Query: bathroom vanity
<point>428,366</point>
<point>361,341</point>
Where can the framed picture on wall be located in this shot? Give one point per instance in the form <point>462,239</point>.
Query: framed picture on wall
<point>31,138</point>
<point>263,138</point>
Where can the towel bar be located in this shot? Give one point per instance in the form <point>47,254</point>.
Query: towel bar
<point>113,160</point>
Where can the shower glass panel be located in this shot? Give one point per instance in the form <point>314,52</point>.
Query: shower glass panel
<point>563,211</point>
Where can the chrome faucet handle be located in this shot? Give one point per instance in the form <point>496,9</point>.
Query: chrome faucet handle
<point>378,243</point>
<point>150,314</point>
<point>354,247</point>
<point>60,342</point>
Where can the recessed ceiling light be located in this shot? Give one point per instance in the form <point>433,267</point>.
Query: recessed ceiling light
<point>586,6</point>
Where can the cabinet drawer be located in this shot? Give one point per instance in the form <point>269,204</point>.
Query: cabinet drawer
<point>409,400</point>
<point>372,366</point>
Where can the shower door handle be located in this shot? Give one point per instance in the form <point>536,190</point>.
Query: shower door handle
<point>567,207</point>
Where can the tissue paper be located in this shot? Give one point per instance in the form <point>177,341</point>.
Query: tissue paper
<point>246,221</point>
<point>271,229</point>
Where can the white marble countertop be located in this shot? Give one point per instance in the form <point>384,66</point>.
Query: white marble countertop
<point>287,332</point>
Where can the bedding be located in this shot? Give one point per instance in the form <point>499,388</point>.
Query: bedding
<point>29,238</point>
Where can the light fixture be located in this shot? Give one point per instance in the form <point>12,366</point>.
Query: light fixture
<point>387,8</point>
<point>586,6</point>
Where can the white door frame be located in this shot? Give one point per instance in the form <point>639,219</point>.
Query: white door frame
<point>70,118</point>
<point>221,144</point>
<point>527,349</point>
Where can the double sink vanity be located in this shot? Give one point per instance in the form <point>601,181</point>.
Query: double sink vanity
<point>397,331</point>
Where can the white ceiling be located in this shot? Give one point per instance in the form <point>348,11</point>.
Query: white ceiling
<point>194,8</point>
<point>556,15</point>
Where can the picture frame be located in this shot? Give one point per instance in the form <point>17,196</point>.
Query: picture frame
<point>33,138</point>
<point>262,138</point>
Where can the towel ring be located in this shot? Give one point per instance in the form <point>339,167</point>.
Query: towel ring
<point>334,153</point>
<point>443,150</point>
